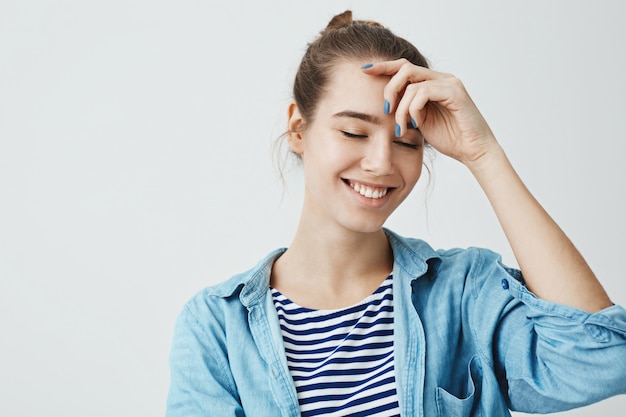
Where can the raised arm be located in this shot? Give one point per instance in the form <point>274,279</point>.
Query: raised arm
<point>440,107</point>
<point>552,267</point>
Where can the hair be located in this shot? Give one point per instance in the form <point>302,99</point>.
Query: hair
<point>345,39</point>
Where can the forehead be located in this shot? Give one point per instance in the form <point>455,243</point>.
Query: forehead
<point>349,88</point>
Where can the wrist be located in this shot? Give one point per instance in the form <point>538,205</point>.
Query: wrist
<point>490,161</point>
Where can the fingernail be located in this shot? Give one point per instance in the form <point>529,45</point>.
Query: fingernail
<point>366,66</point>
<point>414,123</point>
<point>397,130</point>
<point>387,107</point>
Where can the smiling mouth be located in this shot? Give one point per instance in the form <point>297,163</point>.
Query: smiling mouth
<point>368,191</point>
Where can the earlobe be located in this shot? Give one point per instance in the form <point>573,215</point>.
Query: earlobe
<point>295,125</point>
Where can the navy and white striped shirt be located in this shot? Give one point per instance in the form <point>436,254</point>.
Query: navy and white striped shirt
<point>342,360</point>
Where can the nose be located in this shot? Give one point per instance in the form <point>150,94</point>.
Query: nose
<point>377,158</point>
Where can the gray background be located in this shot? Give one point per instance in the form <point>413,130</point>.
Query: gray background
<point>136,165</point>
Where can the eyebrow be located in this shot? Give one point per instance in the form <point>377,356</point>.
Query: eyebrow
<point>357,115</point>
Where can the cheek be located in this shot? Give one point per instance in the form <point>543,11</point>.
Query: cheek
<point>412,167</point>
<point>319,161</point>
<point>417,173</point>
<point>329,154</point>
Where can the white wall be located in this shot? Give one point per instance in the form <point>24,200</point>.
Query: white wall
<point>135,164</point>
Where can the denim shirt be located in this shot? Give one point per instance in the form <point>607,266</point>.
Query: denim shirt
<point>469,340</point>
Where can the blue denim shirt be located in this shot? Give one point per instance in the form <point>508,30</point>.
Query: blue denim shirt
<point>469,340</point>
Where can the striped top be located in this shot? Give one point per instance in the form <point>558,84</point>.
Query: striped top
<point>341,360</point>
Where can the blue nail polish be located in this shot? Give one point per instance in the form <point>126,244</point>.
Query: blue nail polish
<point>366,66</point>
<point>397,130</point>
<point>414,123</point>
<point>387,107</point>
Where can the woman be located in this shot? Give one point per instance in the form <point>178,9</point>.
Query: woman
<point>354,319</point>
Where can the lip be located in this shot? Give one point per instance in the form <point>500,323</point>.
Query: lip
<point>368,184</point>
<point>368,201</point>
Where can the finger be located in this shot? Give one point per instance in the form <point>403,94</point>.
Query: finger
<point>412,106</point>
<point>406,75</point>
<point>416,96</point>
<point>402,73</point>
<point>402,116</point>
<point>392,67</point>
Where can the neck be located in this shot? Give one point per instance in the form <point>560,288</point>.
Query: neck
<point>332,267</point>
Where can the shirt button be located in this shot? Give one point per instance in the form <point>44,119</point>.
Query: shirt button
<point>505,284</point>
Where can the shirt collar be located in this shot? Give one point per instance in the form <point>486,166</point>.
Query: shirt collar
<point>251,285</point>
<point>414,257</point>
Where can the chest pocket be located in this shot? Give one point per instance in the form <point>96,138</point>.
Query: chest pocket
<point>463,402</point>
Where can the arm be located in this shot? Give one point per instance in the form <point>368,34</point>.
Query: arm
<point>547,357</point>
<point>200,383</point>
<point>440,106</point>
<point>552,267</point>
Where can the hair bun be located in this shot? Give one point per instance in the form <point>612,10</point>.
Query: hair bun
<point>340,20</point>
<point>345,19</point>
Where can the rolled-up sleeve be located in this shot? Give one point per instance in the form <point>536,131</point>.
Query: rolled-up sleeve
<point>553,357</point>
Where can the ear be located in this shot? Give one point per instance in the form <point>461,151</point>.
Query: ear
<point>296,127</point>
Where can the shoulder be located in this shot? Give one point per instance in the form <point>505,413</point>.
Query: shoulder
<point>422,250</point>
<point>219,301</point>
<point>477,261</point>
<point>474,262</point>
<point>481,271</point>
<point>470,273</point>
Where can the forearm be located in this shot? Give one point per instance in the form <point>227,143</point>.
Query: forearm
<point>552,267</point>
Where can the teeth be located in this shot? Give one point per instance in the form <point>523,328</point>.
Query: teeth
<point>368,192</point>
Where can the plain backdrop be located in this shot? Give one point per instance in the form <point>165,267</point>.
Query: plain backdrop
<point>136,165</point>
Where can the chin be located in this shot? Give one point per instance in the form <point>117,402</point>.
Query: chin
<point>364,227</point>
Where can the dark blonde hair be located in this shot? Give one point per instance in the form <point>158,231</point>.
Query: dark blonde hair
<point>345,39</point>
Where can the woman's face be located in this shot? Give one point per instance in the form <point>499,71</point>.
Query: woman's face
<point>356,170</point>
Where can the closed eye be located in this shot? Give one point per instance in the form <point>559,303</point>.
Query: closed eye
<point>406,144</point>
<point>412,132</point>
<point>353,135</point>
